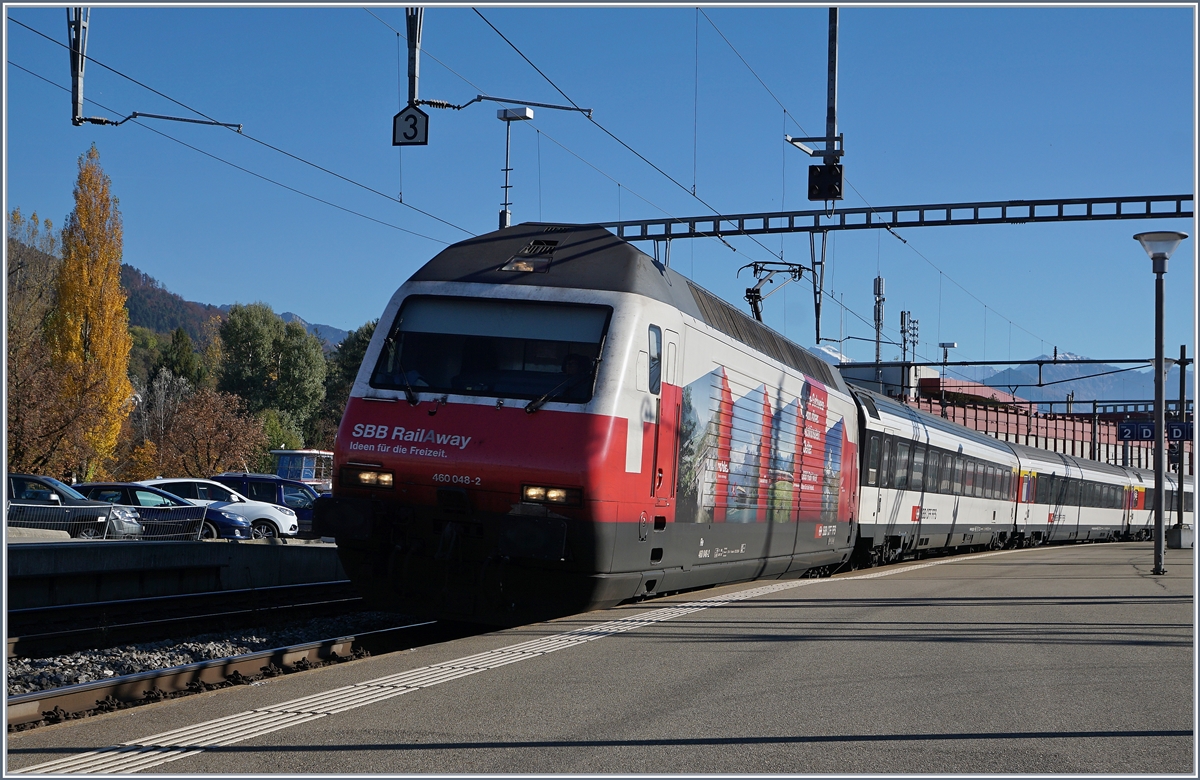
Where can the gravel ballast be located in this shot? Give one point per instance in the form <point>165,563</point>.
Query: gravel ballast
<point>25,675</point>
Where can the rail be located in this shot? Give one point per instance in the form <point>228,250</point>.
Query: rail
<point>67,703</point>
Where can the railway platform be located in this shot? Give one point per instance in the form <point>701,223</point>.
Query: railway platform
<point>1053,659</point>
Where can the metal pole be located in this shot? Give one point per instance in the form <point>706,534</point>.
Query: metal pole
<point>831,108</point>
<point>505,213</point>
<point>1160,421</point>
<point>1182,419</point>
<point>413,18</point>
<point>77,29</point>
<point>879,299</point>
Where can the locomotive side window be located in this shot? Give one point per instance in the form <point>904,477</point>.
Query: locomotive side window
<point>655,359</point>
<point>872,470</point>
<point>483,346</point>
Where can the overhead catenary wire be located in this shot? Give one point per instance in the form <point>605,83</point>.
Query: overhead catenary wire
<point>611,135</point>
<point>284,152</point>
<point>552,139</point>
<point>239,167</point>
<point>884,222</point>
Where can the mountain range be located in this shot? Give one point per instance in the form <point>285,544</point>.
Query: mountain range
<point>153,306</point>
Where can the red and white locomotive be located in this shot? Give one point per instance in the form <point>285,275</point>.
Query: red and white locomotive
<point>548,421</point>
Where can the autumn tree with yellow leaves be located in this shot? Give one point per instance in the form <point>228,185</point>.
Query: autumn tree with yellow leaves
<point>88,330</point>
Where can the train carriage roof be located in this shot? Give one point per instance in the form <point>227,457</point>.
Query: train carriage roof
<point>1090,468</point>
<point>591,258</point>
<point>895,409</point>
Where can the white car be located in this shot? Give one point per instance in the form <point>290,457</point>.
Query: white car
<point>266,520</point>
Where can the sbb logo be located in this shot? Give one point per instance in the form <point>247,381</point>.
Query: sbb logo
<point>371,431</point>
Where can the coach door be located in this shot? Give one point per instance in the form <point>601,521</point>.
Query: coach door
<point>664,384</point>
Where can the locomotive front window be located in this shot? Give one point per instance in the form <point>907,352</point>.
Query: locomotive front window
<point>481,346</point>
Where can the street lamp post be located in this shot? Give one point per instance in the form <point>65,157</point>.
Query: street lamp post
<point>1159,246</point>
<point>508,116</point>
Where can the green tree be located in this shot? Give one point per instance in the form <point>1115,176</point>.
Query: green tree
<point>181,359</point>
<point>145,354</point>
<point>270,364</point>
<point>88,330</point>
<point>249,365</point>
<point>301,383</point>
<point>341,370</point>
<point>282,433</point>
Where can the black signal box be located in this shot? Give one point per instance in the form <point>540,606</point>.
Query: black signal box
<point>825,182</point>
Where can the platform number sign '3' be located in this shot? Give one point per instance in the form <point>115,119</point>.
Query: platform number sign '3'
<point>410,127</point>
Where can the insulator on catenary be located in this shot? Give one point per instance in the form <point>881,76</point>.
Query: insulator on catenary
<point>439,104</point>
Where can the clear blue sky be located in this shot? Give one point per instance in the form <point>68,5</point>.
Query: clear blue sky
<point>937,105</point>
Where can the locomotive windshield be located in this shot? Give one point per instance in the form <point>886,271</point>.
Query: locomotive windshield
<point>482,346</point>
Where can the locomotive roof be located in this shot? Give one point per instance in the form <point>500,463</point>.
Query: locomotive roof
<point>592,258</point>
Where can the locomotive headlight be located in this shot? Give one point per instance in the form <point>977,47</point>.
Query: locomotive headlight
<point>364,478</point>
<point>551,495</point>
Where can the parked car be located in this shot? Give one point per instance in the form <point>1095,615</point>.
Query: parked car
<point>44,502</point>
<point>167,516</point>
<point>266,520</point>
<point>296,495</point>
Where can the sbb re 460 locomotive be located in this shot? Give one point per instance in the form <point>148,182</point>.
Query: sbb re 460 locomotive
<point>547,421</point>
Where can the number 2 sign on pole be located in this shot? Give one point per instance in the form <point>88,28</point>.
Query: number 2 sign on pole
<point>410,127</point>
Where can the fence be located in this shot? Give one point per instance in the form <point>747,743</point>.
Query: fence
<point>1088,435</point>
<point>110,522</point>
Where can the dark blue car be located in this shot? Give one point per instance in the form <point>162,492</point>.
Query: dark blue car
<point>166,516</point>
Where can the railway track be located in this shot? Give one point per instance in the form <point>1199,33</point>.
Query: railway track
<point>37,708</point>
<point>43,631</point>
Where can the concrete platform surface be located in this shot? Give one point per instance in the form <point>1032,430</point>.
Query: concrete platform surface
<point>1050,660</point>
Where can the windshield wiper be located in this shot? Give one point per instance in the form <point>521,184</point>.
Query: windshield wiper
<point>409,393</point>
<point>537,403</point>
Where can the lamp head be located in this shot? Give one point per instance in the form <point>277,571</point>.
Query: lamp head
<point>1160,245</point>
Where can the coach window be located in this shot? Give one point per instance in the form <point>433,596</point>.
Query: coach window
<point>655,359</point>
<point>931,468</point>
<point>1073,493</point>
<point>993,491</point>
<point>958,475</point>
<point>873,460</point>
<point>968,482</point>
<point>944,485</point>
<point>900,465</point>
<point>917,482</point>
